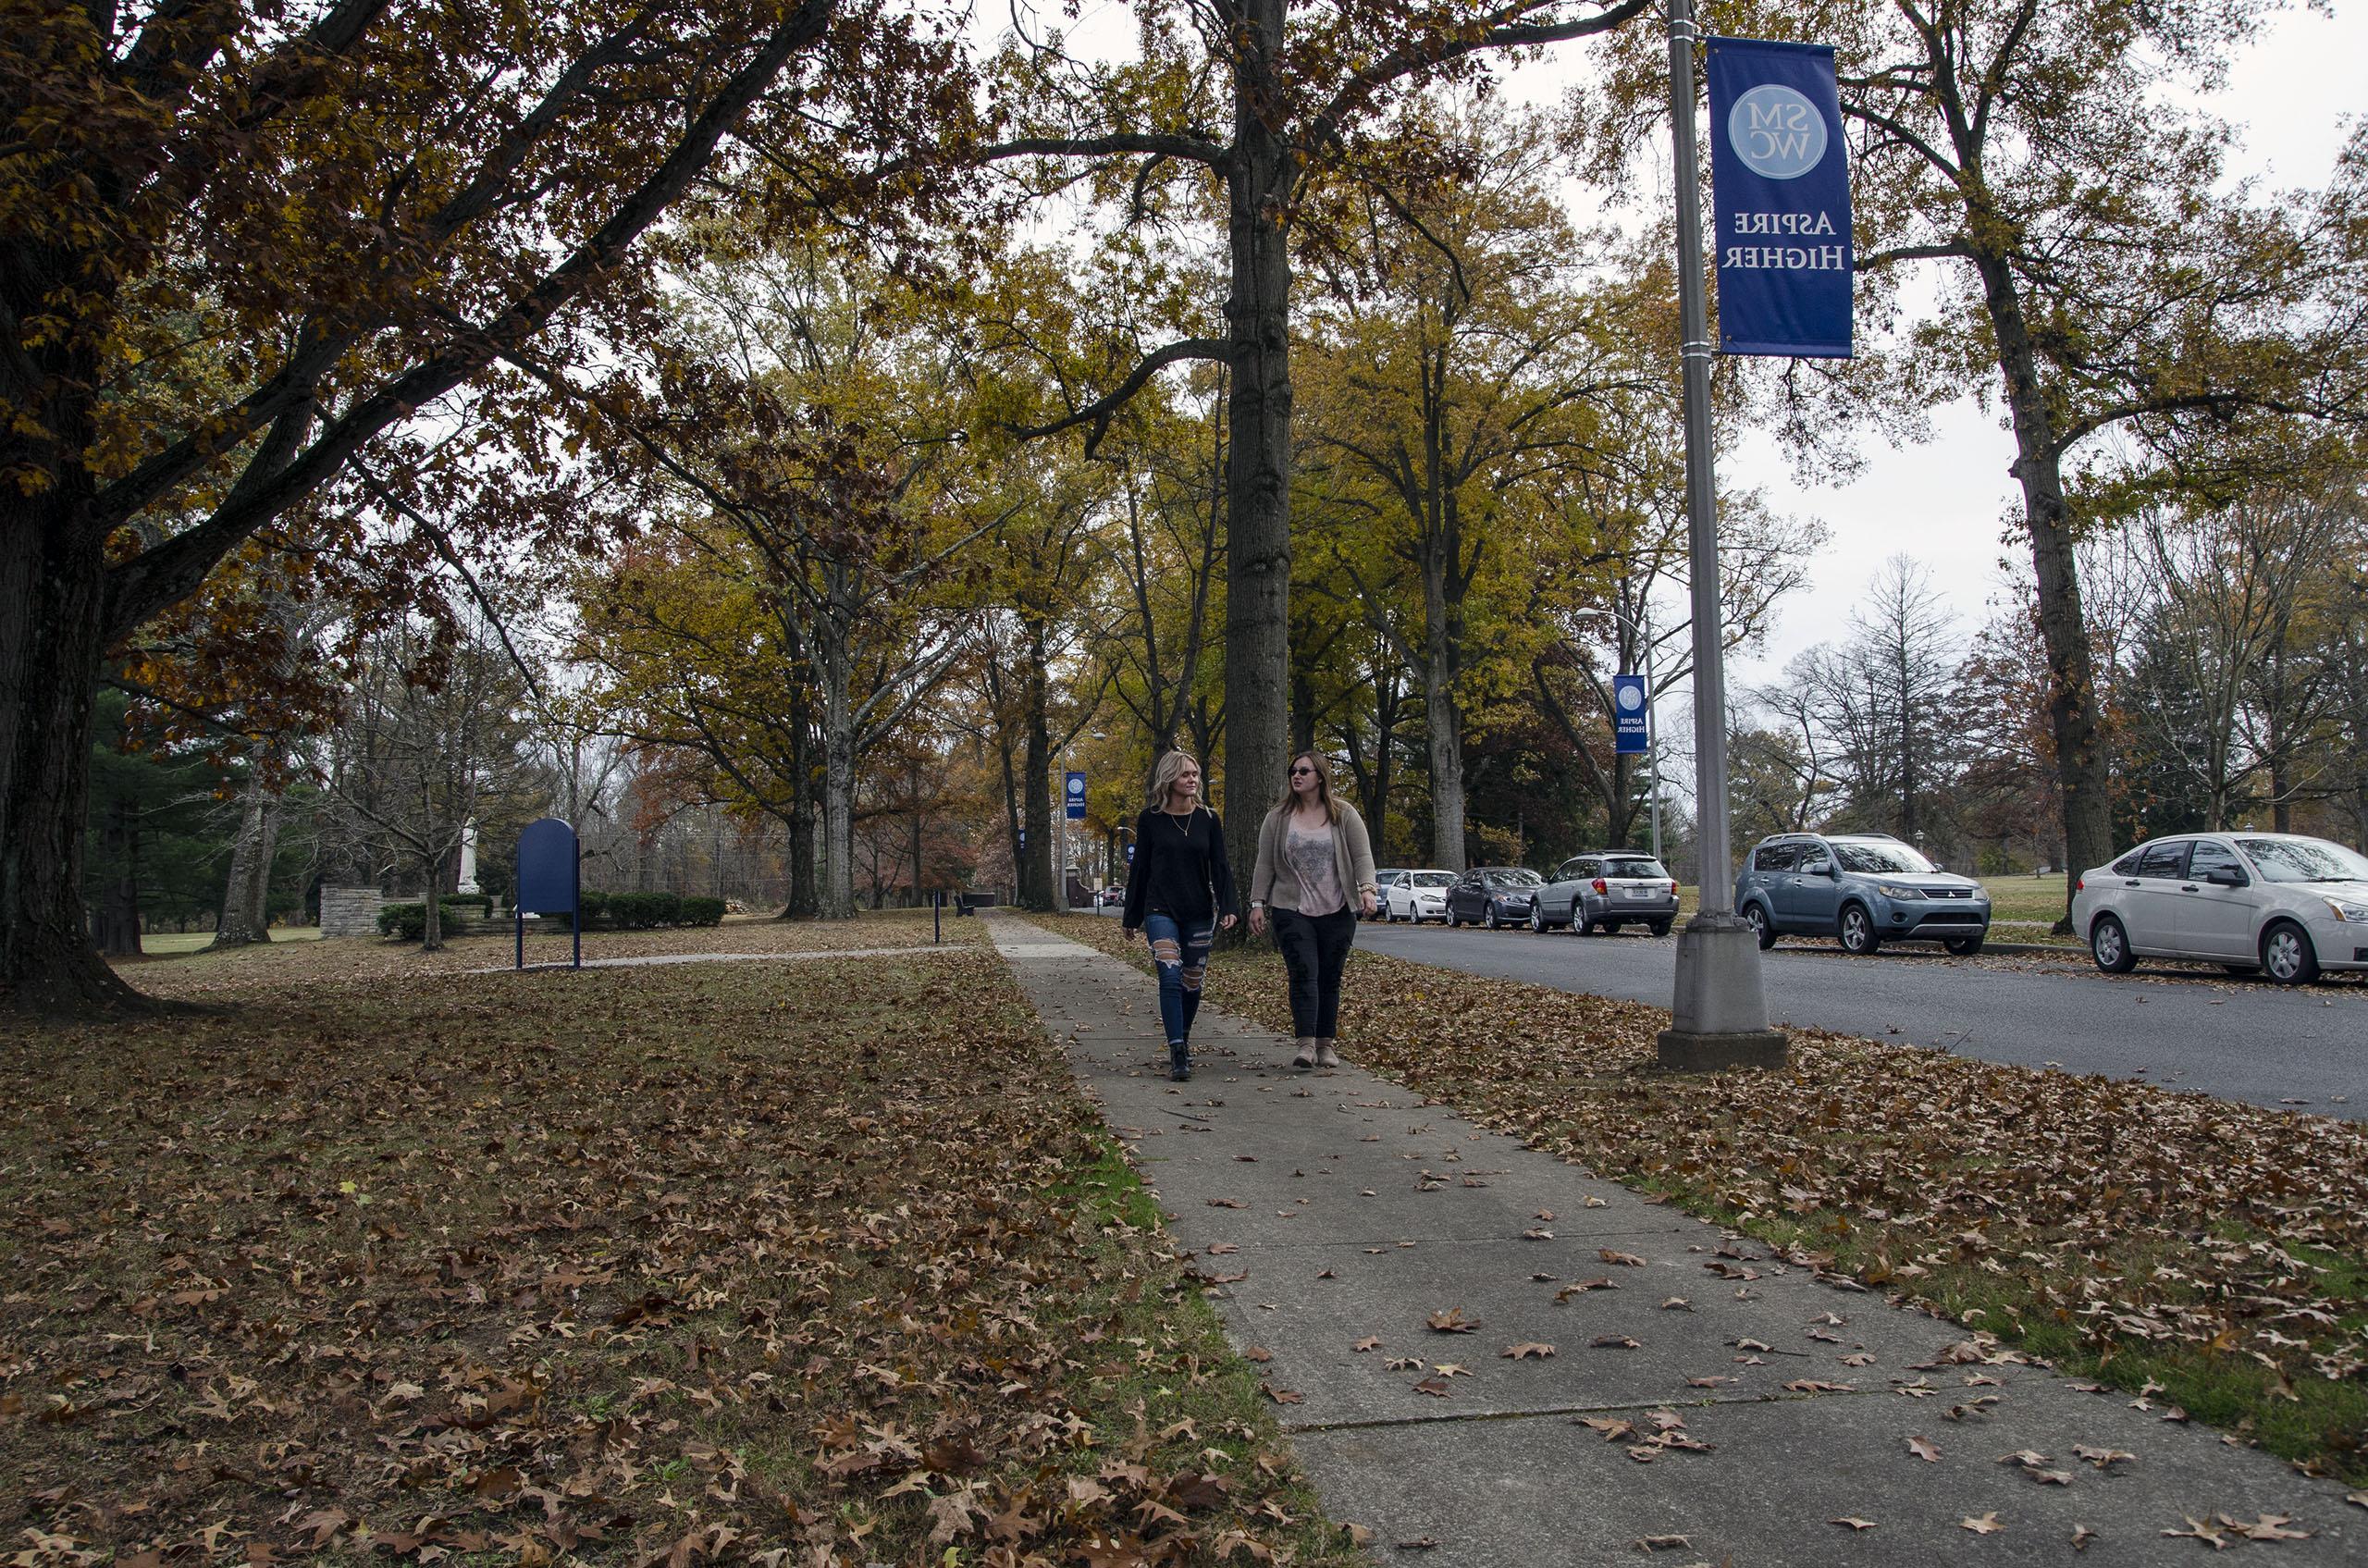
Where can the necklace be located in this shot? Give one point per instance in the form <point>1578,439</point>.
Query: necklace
<point>1184,822</point>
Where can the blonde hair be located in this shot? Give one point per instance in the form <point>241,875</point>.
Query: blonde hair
<point>1164,774</point>
<point>1323,786</point>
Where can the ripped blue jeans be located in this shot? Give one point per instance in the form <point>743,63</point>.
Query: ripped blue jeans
<point>1181,953</point>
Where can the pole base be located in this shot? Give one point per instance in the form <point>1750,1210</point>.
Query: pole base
<point>1719,1016</point>
<point>1685,1052</point>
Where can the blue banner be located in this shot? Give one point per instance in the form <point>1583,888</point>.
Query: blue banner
<point>1779,199</point>
<point>1077,797</point>
<point>1630,732</point>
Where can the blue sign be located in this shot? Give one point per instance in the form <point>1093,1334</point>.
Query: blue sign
<point>1077,797</point>
<point>550,881</point>
<point>1130,854</point>
<point>1779,199</point>
<point>1631,728</point>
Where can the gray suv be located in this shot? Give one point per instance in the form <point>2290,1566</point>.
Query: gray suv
<point>1864,888</point>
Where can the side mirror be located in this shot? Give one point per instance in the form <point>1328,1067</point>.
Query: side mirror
<point>2225,876</point>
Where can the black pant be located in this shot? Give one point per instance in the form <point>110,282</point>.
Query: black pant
<point>1315,949</point>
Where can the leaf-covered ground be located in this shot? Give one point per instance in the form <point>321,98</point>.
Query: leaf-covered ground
<point>783,1261</point>
<point>2210,1256</point>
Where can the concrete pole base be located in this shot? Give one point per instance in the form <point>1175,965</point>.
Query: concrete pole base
<point>1720,1017</point>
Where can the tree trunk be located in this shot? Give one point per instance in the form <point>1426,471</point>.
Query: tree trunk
<point>50,636</point>
<point>1442,637</point>
<point>1038,870</point>
<point>1258,466</point>
<point>118,930</point>
<point>246,899</point>
<point>836,900</point>
<point>913,783</point>
<point>2081,767</point>
<point>803,902</point>
<point>432,934</point>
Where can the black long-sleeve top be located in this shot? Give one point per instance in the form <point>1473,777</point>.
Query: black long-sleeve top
<point>1179,867</point>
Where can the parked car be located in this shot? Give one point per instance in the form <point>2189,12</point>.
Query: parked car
<point>1381,880</point>
<point>1418,896</point>
<point>1605,889</point>
<point>1494,896</point>
<point>2285,904</point>
<point>1115,893</point>
<point>1867,889</point>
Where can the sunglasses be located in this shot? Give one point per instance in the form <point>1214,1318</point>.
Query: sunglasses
<point>1297,772</point>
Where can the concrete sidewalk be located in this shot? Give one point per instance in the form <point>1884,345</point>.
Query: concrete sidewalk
<point>1696,1387</point>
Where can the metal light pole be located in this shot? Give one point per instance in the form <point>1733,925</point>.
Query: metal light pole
<point>1719,1016</point>
<point>1061,839</point>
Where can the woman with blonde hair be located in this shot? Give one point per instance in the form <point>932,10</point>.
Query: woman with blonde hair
<point>1314,859</point>
<point>1179,894</point>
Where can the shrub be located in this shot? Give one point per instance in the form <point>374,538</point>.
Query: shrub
<point>409,921</point>
<point>702,911</point>
<point>644,911</point>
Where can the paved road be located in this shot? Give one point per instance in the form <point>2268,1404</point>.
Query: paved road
<point>2244,1040</point>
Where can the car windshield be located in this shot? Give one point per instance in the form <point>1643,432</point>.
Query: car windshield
<point>1515,879</point>
<point>1651,869</point>
<point>1432,879</point>
<point>1879,858</point>
<point>2304,860</point>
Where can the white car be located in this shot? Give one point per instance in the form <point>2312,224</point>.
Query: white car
<point>1419,896</point>
<point>2276,902</point>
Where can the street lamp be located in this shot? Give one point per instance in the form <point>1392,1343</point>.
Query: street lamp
<point>1718,1017</point>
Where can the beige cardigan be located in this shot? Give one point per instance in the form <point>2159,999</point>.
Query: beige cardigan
<point>1270,885</point>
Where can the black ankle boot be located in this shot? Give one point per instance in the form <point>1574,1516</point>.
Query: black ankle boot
<point>1180,1062</point>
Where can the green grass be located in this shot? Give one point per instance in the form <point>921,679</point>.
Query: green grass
<point>168,944</point>
<point>2034,899</point>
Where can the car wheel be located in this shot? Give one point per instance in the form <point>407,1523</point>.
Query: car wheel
<point>2287,956</point>
<point>1763,928</point>
<point>2109,945</point>
<point>1536,920</point>
<point>1962,946</point>
<point>1612,928</point>
<point>1858,934</point>
<point>1488,920</point>
<point>1659,928</point>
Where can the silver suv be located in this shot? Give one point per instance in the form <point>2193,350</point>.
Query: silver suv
<point>1864,888</point>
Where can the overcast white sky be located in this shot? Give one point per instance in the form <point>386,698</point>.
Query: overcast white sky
<point>1945,501</point>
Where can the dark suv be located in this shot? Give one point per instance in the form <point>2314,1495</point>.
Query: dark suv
<point>1495,897</point>
<point>1867,889</point>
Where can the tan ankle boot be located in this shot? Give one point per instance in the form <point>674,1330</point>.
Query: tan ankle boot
<point>1325,1056</point>
<point>1306,1058</point>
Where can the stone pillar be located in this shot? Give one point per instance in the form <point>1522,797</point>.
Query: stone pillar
<point>469,858</point>
<point>350,911</point>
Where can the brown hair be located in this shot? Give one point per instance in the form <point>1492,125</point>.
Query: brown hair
<point>1323,786</point>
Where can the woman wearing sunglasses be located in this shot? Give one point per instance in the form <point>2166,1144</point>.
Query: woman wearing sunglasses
<point>1313,863</point>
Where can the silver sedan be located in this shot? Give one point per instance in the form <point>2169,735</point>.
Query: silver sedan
<point>2281,904</point>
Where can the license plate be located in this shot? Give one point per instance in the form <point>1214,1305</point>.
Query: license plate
<point>1636,893</point>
